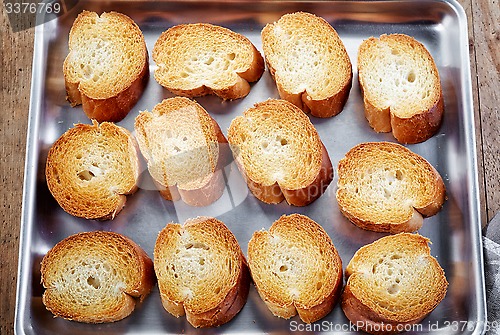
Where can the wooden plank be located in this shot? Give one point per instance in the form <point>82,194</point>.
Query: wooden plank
<point>16,56</point>
<point>486,25</point>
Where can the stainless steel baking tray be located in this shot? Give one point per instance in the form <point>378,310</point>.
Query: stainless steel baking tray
<point>455,231</point>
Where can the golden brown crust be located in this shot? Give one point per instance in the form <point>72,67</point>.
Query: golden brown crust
<point>107,86</point>
<point>201,247</point>
<point>326,92</point>
<point>412,119</point>
<point>104,249</point>
<point>91,168</point>
<point>199,59</point>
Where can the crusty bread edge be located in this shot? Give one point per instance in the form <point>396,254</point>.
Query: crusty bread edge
<point>274,194</point>
<point>140,290</point>
<point>113,109</point>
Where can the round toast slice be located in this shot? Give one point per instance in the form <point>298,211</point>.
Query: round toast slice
<point>401,87</point>
<point>308,62</point>
<point>391,283</point>
<point>182,146</point>
<point>91,169</point>
<point>385,187</point>
<point>107,68</point>
<point>296,268</point>
<point>199,59</point>
<point>201,272</point>
<point>95,277</point>
<point>279,153</point>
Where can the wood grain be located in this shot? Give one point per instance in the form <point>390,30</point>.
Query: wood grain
<point>16,53</point>
<point>16,56</point>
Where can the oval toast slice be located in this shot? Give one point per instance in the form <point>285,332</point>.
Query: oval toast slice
<point>296,268</point>
<point>385,187</point>
<point>308,62</point>
<point>280,154</point>
<point>201,272</point>
<point>95,277</point>
<point>107,68</point>
<point>391,283</point>
<point>91,169</point>
<point>200,59</point>
<point>181,144</point>
<point>401,87</point>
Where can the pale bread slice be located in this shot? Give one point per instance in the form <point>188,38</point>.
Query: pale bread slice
<point>401,87</point>
<point>182,146</point>
<point>95,277</point>
<point>279,153</point>
<point>201,271</point>
<point>91,169</point>
<point>107,68</point>
<point>296,268</point>
<point>308,62</point>
<point>391,283</point>
<point>200,59</point>
<point>385,187</point>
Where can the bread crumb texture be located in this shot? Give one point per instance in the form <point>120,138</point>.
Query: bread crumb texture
<point>276,143</point>
<point>179,141</point>
<point>199,59</point>
<point>91,168</point>
<point>384,186</point>
<point>393,280</point>
<point>95,277</point>
<point>107,53</point>
<point>295,267</point>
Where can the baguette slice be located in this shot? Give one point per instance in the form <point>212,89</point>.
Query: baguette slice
<point>201,271</point>
<point>393,281</point>
<point>296,268</point>
<point>200,59</point>
<point>385,187</point>
<point>309,63</point>
<point>106,69</point>
<point>181,143</point>
<point>280,154</point>
<point>401,88</point>
<point>95,277</point>
<point>91,168</point>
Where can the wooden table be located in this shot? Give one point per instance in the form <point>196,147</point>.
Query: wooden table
<point>16,54</point>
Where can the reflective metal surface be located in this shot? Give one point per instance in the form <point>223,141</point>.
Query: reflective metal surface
<point>454,231</point>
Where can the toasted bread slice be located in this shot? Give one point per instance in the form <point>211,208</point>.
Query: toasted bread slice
<point>391,283</point>
<point>95,277</point>
<point>296,268</point>
<point>180,142</point>
<point>401,88</point>
<point>107,68</point>
<point>201,271</point>
<point>200,59</point>
<point>309,63</point>
<point>280,154</point>
<point>385,187</point>
<point>91,168</point>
